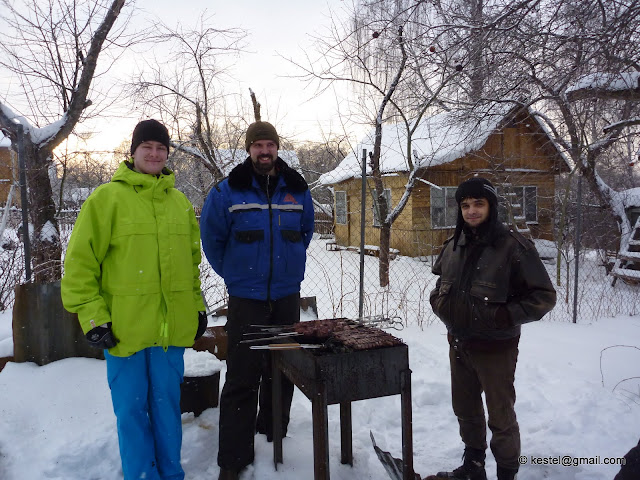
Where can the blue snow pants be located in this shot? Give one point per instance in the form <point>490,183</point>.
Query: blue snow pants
<point>145,391</point>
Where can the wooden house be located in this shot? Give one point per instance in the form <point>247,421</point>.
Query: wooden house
<point>7,164</point>
<point>509,147</point>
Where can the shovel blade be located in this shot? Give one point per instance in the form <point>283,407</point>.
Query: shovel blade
<point>392,465</point>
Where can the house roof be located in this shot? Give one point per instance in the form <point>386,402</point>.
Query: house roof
<point>618,81</point>
<point>437,140</point>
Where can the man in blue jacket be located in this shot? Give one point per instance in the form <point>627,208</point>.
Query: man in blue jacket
<point>256,225</point>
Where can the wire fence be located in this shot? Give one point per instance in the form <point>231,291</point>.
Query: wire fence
<point>333,273</point>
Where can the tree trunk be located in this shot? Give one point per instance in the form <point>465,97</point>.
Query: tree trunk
<point>385,243</point>
<point>46,250</point>
<point>385,227</point>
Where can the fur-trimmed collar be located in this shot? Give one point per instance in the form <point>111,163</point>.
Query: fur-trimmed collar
<point>241,176</point>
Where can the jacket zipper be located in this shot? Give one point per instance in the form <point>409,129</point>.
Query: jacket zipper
<point>270,242</point>
<point>164,327</point>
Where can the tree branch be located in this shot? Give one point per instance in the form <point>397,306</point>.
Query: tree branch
<point>79,97</point>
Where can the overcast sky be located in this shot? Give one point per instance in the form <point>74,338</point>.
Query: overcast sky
<point>276,29</point>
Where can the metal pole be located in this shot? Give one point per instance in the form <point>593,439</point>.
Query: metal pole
<point>577,249</point>
<point>363,203</point>
<point>23,204</point>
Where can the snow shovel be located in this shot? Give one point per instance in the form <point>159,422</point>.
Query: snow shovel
<point>392,465</point>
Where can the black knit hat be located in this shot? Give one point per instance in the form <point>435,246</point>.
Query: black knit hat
<point>261,131</point>
<point>476,187</point>
<point>149,130</point>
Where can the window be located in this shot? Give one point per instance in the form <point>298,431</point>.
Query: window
<point>341,208</point>
<point>524,202</point>
<point>376,208</point>
<point>444,208</point>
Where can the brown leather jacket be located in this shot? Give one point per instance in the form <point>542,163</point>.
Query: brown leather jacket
<point>504,286</point>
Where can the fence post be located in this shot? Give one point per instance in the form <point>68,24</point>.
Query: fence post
<point>363,202</point>
<point>26,237</point>
<point>577,248</point>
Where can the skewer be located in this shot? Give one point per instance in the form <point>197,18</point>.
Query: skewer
<point>285,346</point>
<point>268,328</point>
<point>267,339</point>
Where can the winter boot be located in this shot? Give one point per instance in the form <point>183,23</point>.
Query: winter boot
<point>472,467</point>
<point>226,474</point>
<point>506,473</point>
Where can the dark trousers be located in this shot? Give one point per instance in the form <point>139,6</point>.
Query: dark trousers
<point>631,469</point>
<point>475,372</point>
<point>247,372</point>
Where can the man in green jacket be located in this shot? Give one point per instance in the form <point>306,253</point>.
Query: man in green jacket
<point>132,276</point>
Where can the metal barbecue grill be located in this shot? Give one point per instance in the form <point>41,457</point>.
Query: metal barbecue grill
<point>337,361</point>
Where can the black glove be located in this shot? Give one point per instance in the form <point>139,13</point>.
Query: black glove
<point>102,337</point>
<point>202,324</point>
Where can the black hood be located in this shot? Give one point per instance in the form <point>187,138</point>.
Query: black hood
<point>478,187</point>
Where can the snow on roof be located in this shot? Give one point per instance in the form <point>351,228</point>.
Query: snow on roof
<point>4,141</point>
<point>631,197</point>
<point>607,81</point>
<point>439,139</point>
<point>230,158</point>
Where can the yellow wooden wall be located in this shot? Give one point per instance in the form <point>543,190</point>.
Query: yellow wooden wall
<point>5,174</point>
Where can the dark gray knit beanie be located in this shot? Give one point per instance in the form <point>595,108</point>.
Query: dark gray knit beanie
<point>261,131</point>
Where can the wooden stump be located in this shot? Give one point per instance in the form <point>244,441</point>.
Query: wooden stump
<point>199,393</point>
<point>43,331</point>
<point>213,341</point>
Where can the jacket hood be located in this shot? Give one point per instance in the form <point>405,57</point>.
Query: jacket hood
<point>126,174</point>
<point>241,177</point>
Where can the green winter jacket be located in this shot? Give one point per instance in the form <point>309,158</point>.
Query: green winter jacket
<point>133,260</point>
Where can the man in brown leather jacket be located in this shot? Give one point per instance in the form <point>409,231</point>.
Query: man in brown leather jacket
<point>491,281</point>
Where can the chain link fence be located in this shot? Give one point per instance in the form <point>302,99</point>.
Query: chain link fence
<point>586,290</point>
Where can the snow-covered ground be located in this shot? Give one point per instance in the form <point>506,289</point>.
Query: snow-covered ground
<point>56,421</point>
<point>577,396</point>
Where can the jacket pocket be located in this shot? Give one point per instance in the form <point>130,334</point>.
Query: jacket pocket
<point>294,254</point>
<point>486,299</point>
<point>441,302</point>
<point>291,235</point>
<point>249,236</point>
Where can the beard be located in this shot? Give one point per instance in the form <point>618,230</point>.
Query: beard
<point>261,166</point>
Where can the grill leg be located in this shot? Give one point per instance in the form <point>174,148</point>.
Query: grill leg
<point>407,425</point>
<point>320,433</point>
<point>346,447</point>
<point>276,395</point>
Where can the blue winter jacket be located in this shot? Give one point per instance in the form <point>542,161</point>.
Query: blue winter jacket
<point>258,244</point>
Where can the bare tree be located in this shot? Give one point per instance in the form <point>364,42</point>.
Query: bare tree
<point>52,48</point>
<point>188,87</point>
<point>403,64</point>
<point>553,53</point>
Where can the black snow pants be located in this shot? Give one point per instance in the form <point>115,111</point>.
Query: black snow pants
<point>249,371</point>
